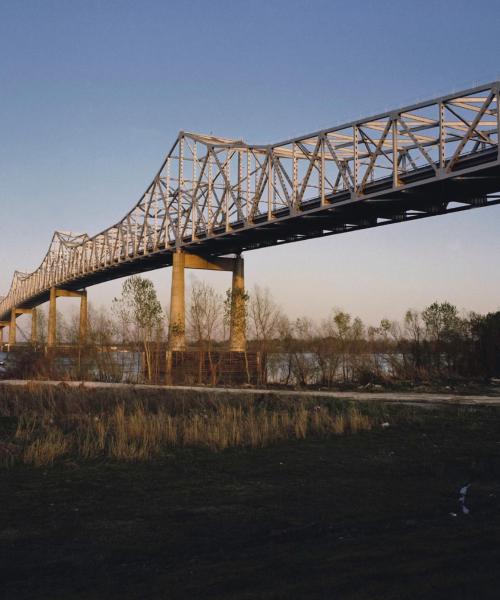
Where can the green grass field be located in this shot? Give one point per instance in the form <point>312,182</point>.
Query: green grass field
<point>367,514</point>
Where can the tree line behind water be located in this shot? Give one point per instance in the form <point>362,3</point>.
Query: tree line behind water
<point>437,342</point>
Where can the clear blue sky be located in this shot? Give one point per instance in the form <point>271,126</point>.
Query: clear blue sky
<point>93,93</point>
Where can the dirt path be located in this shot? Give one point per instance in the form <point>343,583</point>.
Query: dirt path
<point>398,397</point>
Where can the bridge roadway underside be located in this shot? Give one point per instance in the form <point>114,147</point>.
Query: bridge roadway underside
<point>420,195</point>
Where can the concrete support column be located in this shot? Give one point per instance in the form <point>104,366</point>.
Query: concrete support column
<point>34,326</point>
<point>3,325</point>
<point>237,339</point>
<point>83,318</point>
<point>52,325</point>
<point>177,325</point>
<point>12,328</point>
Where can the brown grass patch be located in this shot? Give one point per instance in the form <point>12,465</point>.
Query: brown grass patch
<point>75,423</point>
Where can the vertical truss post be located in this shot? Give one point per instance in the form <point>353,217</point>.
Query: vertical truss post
<point>156,238</point>
<point>256,198</point>
<point>180,192</point>
<point>239,209</point>
<point>442,136</point>
<point>295,181</point>
<point>355,158</point>
<point>269,185</point>
<point>395,155</point>
<point>248,187</point>
<point>194,188</point>
<point>136,241</point>
<point>322,172</point>
<point>210,225</point>
<point>167,205</point>
<point>227,190</point>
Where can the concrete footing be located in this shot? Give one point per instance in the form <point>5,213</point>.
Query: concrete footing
<point>211,368</point>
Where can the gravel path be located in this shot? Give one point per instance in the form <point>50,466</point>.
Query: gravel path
<point>400,397</point>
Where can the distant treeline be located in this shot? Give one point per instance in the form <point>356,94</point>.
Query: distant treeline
<point>435,343</point>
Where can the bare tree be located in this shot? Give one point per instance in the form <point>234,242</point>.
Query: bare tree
<point>304,359</point>
<point>103,358</point>
<point>205,322</point>
<point>414,331</point>
<point>264,319</point>
<point>205,315</point>
<point>327,351</point>
<point>41,326</point>
<point>348,333</point>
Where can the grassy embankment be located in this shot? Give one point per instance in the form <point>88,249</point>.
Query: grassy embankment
<point>44,424</point>
<point>245,499</point>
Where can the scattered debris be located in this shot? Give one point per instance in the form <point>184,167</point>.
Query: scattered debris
<point>461,498</point>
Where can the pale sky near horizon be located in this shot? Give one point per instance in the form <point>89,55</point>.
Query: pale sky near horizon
<point>93,94</point>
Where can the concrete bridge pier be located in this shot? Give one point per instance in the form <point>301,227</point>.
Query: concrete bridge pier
<point>34,326</point>
<point>12,324</point>
<point>177,326</point>
<point>237,340</point>
<point>177,322</point>
<point>52,325</point>
<point>84,317</point>
<point>3,325</point>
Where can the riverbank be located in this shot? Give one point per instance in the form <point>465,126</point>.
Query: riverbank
<point>377,514</point>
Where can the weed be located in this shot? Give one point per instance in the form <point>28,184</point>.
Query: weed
<point>54,423</point>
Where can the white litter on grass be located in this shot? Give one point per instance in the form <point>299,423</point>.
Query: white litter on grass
<point>385,424</point>
<point>461,498</point>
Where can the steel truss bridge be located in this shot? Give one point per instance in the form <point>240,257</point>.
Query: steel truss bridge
<point>214,196</point>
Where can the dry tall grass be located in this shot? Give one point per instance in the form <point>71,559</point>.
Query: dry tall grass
<point>72,423</point>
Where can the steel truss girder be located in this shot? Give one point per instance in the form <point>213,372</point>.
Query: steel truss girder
<point>214,195</point>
